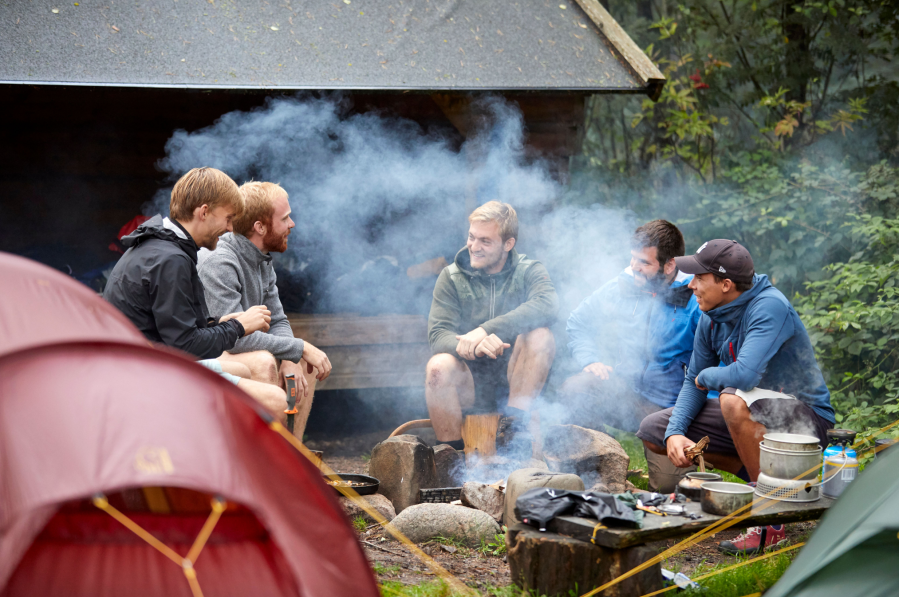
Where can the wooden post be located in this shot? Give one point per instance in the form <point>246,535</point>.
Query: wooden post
<point>479,435</point>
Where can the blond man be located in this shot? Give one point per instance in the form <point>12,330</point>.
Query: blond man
<point>239,273</point>
<point>489,332</point>
<point>155,283</point>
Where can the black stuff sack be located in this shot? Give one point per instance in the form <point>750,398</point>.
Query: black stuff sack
<point>607,509</point>
<point>536,507</point>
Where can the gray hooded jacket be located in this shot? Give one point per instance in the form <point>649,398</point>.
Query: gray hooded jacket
<point>237,276</point>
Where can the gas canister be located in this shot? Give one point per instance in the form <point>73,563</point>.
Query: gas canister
<point>840,462</point>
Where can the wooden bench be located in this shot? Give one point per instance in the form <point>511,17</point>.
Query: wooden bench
<point>563,558</point>
<point>384,351</point>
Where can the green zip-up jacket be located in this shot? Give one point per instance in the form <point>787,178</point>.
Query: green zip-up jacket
<point>518,299</point>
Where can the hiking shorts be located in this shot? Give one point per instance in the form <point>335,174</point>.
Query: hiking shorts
<point>491,382</point>
<point>779,413</point>
<point>217,367</point>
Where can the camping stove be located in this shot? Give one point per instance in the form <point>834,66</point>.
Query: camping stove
<point>786,490</point>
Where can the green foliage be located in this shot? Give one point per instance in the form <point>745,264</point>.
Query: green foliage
<point>496,547</point>
<point>751,578</point>
<point>360,524</point>
<point>382,570</point>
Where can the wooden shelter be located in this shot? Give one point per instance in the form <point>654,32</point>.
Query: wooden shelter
<point>93,91</point>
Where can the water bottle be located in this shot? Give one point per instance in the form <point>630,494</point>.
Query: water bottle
<point>840,462</point>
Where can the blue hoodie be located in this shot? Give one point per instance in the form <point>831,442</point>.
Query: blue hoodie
<point>645,336</point>
<point>759,341</point>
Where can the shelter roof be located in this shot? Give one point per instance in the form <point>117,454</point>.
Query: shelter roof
<point>339,44</point>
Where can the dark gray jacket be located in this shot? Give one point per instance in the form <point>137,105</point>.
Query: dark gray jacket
<point>155,284</point>
<point>518,299</point>
<point>237,276</point>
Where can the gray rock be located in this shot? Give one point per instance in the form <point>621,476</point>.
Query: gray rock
<point>450,465</point>
<point>485,498</point>
<point>534,463</point>
<point>376,501</point>
<point>529,478</point>
<point>424,522</point>
<point>595,456</point>
<point>403,464</point>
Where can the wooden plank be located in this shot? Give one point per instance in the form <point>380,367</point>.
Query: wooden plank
<point>376,366</point>
<point>656,528</point>
<point>622,44</point>
<point>352,330</point>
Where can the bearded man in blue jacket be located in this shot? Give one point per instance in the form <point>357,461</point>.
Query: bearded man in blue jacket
<point>632,338</point>
<point>751,347</point>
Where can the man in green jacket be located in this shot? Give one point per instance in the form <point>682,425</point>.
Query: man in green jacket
<point>489,331</point>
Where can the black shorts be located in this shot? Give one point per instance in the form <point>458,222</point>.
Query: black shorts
<point>777,415</point>
<point>491,382</point>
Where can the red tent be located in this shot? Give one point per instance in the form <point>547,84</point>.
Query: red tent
<point>158,436</point>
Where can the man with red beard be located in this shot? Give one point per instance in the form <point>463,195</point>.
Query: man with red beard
<point>240,272</point>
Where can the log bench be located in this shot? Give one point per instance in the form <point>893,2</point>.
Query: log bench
<point>563,559</point>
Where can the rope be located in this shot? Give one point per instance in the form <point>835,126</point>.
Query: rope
<point>186,564</point>
<point>737,565</point>
<point>720,525</point>
<point>351,494</point>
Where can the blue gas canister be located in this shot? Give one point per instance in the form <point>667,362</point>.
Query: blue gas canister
<point>840,462</point>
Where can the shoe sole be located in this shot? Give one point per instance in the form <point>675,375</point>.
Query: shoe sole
<point>750,552</point>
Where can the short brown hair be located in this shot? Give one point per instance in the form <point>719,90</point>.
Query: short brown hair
<point>664,236</point>
<point>739,286</point>
<point>501,213</point>
<point>203,186</point>
<point>259,205</point>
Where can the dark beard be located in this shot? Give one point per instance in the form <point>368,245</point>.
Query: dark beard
<point>657,281</point>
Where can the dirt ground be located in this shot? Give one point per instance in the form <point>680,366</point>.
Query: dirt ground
<point>393,562</point>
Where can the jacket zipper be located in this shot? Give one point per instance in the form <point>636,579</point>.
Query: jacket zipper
<point>492,297</point>
<point>732,355</point>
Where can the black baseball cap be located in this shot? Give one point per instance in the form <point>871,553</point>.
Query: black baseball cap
<point>724,258</point>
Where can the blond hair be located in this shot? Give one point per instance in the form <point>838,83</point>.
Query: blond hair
<point>203,186</point>
<point>259,205</point>
<point>501,213</point>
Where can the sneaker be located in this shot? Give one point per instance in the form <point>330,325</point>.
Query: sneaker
<point>754,540</point>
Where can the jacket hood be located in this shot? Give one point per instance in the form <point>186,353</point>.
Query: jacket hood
<point>242,246</point>
<point>463,262</point>
<point>162,229</point>
<point>733,311</point>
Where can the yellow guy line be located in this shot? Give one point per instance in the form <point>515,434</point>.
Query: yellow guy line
<point>722,524</point>
<point>186,564</point>
<point>728,568</point>
<point>436,568</point>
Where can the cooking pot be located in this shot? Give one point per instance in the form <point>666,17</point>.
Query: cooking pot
<point>789,464</point>
<point>792,442</point>
<point>690,485</point>
<point>721,498</point>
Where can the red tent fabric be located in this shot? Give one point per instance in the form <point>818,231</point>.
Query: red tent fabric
<point>78,418</point>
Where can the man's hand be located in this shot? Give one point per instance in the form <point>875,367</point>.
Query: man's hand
<point>676,445</point>
<point>469,343</point>
<point>255,319</point>
<point>491,346</point>
<point>599,370</point>
<point>288,368</point>
<point>225,318</point>
<point>316,360</point>
<point>703,388</point>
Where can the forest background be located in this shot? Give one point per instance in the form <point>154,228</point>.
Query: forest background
<point>779,128</point>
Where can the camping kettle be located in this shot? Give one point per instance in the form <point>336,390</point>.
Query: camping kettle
<point>840,462</point>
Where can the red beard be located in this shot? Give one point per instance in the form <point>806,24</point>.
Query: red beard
<point>272,243</point>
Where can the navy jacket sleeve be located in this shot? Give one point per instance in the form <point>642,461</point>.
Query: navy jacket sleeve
<point>691,399</point>
<point>768,326</point>
<point>171,297</point>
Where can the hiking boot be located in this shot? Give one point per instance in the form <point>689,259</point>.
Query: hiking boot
<point>754,540</point>
<point>513,440</point>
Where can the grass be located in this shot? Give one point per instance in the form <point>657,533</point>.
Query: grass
<point>497,547</point>
<point>360,524</point>
<point>752,578</point>
<point>440,589</point>
<point>381,570</point>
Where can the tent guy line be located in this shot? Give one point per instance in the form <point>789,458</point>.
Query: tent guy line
<point>721,525</point>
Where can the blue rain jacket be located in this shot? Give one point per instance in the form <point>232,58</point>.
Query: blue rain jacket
<point>755,341</point>
<point>647,337</point>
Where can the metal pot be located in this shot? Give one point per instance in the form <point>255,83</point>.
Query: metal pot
<point>690,485</point>
<point>723,498</point>
<point>791,442</point>
<point>789,464</point>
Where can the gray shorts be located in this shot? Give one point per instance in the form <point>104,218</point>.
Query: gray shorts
<point>217,367</point>
<point>779,413</point>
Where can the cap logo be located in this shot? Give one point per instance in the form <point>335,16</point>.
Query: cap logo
<point>722,270</point>
<point>704,245</point>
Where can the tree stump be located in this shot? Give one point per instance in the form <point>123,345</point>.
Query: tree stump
<point>555,565</point>
<point>479,435</point>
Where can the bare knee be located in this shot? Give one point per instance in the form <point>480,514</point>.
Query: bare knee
<point>441,370</point>
<point>540,341</point>
<point>263,366</point>
<point>733,408</point>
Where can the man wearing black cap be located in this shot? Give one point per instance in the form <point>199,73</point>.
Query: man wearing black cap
<point>751,347</point>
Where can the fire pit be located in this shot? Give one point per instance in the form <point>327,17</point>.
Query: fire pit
<point>361,484</point>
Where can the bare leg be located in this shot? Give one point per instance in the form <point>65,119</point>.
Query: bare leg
<point>304,401</point>
<point>263,366</point>
<point>745,432</point>
<point>722,462</point>
<point>449,387</point>
<point>529,366</point>
<point>235,368</point>
<point>271,397</point>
